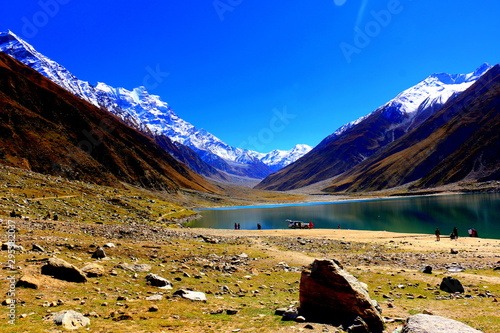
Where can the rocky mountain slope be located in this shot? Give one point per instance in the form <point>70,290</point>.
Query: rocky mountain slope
<point>152,116</point>
<point>460,142</point>
<point>360,139</point>
<point>46,129</point>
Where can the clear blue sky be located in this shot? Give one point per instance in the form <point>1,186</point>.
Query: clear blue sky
<point>232,64</point>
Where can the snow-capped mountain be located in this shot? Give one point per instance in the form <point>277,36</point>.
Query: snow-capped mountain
<point>279,159</point>
<point>432,93</point>
<point>149,114</point>
<point>356,141</point>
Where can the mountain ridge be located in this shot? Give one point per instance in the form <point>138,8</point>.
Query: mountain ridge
<point>150,115</point>
<point>356,141</point>
<point>47,129</point>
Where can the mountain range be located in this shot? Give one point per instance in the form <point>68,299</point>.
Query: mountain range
<point>47,129</point>
<point>443,130</point>
<point>200,150</point>
<point>354,157</point>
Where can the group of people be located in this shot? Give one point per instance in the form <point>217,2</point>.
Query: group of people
<point>454,234</point>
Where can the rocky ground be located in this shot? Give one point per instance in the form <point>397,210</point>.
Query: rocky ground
<point>244,275</point>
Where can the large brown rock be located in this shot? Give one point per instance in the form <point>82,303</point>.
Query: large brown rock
<point>63,270</point>
<point>329,294</point>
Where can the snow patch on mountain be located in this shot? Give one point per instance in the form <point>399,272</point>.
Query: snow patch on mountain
<point>435,90</point>
<point>143,111</point>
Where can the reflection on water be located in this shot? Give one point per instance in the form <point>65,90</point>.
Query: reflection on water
<point>419,215</point>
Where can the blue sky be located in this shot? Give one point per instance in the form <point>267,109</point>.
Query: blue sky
<point>262,74</point>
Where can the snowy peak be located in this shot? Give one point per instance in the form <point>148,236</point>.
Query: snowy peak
<point>435,89</point>
<point>281,158</point>
<point>148,114</point>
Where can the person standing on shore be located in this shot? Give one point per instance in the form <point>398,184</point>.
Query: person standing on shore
<point>455,233</point>
<point>438,235</point>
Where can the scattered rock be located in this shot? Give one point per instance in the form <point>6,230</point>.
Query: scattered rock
<point>138,268</point>
<point>8,301</point>
<point>158,281</point>
<point>154,298</point>
<point>358,326</point>
<point>192,295</point>
<point>99,253</point>
<point>70,319</point>
<point>93,270</point>
<point>329,294</point>
<point>453,251</point>
<point>124,316</point>
<point>109,245</point>
<point>63,270</point>
<point>451,285</point>
<point>427,323</point>
<point>29,281</point>
<point>12,247</point>
<point>426,270</point>
<point>153,308</point>
<point>280,311</point>
<point>38,248</point>
<point>231,312</point>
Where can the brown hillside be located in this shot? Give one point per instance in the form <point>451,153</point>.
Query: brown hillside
<point>460,142</point>
<point>46,129</point>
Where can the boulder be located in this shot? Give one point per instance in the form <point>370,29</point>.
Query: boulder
<point>192,295</point>
<point>329,294</point>
<point>420,323</point>
<point>451,285</point>
<point>99,253</point>
<point>29,281</point>
<point>93,270</point>
<point>63,270</point>
<point>70,319</point>
<point>158,281</point>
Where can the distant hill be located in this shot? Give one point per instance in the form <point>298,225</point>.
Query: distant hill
<point>45,128</point>
<point>460,142</point>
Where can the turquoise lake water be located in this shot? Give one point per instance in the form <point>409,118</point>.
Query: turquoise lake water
<point>413,215</point>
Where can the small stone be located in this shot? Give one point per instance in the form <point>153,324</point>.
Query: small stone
<point>231,312</point>
<point>154,298</point>
<point>38,248</point>
<point>153,308</point>
<point>300,319</point>
<point>99,253</point>
<point>426,270</point>
<point>93,270</point>
<point>192,295</point>
<point>158,281</point>
<point>109,245</point>
<point>70,319</point>
<point>29,281</point>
